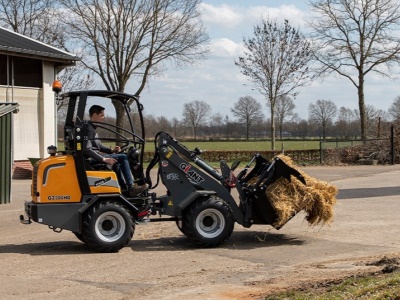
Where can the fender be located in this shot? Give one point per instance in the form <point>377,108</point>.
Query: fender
<point>191,198</point>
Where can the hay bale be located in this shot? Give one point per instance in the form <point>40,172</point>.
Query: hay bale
<point>317,198</point>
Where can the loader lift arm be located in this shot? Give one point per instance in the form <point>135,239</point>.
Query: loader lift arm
<point>187,177</point>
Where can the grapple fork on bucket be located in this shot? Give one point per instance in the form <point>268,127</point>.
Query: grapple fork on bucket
<point>257,181</point>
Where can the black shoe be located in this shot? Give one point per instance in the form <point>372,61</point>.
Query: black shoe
<point>135,190</point>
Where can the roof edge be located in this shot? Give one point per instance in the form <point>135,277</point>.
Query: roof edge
<point>38,42</point>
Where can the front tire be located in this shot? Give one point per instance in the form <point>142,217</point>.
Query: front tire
<point>208,221</point>
<point>108,226</point>
<point>79,236</point>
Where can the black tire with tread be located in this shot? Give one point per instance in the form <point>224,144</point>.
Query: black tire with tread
<point>177,225</point>
<point>101,209</point>
<point>215,206</point>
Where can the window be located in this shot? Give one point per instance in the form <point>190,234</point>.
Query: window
<point>3,69</point>
<point>27,71</point>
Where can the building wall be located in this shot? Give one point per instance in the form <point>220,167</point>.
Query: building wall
<point>48,121</point>
<point>26,122</point>
<point>34,125</point>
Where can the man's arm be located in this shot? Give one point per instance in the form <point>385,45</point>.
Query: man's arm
<point>93,154</point>
<point>93,146</point>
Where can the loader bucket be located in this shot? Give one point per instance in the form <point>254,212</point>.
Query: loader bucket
<point>262,210</point>
<point>283,170</point>
<point>263,174</point>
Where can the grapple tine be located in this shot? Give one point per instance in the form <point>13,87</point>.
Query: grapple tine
<point>283,170</point>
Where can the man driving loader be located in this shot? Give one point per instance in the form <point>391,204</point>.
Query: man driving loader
<point>112,157</point>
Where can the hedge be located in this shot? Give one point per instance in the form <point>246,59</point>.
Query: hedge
<point>299,156</point>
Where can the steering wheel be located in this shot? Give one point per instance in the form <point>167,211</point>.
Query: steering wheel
<point>127,142</point>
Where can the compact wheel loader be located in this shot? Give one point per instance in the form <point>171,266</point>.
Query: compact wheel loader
<point>70,192</point>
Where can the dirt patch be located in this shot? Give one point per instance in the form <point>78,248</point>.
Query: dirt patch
<point>316,278</point>
<point>389,264</point>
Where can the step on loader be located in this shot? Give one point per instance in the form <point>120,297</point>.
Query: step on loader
<point>69,192</point>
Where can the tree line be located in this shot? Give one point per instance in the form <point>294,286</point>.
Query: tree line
<point>325,121</point>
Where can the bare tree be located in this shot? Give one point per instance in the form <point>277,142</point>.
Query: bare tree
<point>135,39</point>
<point>217,120</point>
<point>394,109</point>
<point>276,62</point>
<point>303,128</point>
<point>175,126</point>
<point>356,38</point>
<point>74,78</point>
<point>293,126</point>
<point>40,20</point>
<point>372,119</point>
<point>164,124</point>
<point>322,112</point>
<point>28,17</point>
<point>228,127</point>
<point>344,123</point>
<point>247,111</point>
<point>284,107</point>
<point>195,114</point>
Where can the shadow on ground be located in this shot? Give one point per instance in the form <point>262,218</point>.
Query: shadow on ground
<point>368,192</point>
<point>238,240</point>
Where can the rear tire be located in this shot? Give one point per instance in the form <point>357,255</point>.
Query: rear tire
<point>208,221</point>
<point>108,226</point>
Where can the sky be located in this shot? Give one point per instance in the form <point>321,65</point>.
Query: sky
<point>218,82</point>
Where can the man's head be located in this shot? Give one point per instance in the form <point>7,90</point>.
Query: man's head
<point>96,113</point>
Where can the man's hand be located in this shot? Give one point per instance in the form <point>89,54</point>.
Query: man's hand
<point>117,149</point>
<point>109,160</point>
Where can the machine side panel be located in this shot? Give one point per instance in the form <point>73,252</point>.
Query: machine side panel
<point>54,180</point>
<point>103,182</point>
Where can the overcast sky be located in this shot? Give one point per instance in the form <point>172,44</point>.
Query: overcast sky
<point>219,82</point>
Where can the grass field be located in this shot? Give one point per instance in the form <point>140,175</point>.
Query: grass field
<point>239,145</point>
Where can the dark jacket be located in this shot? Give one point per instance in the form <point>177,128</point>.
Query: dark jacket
<point>94,146</point>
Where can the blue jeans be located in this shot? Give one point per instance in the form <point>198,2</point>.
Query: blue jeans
<point>122,169</point>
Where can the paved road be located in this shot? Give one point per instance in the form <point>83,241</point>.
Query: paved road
<point>160,262</point>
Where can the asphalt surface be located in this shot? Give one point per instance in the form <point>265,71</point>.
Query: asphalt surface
<point>160,262</point>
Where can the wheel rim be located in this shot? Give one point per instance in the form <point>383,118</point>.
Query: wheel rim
<point>210,223</point>
<point>110,226</point>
